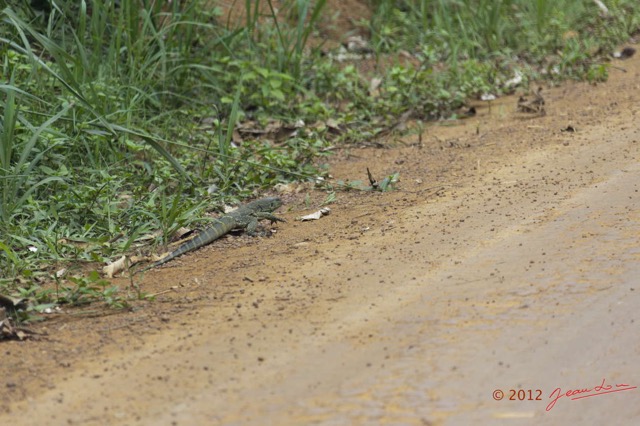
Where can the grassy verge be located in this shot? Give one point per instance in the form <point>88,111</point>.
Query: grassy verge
<point>119,120</point>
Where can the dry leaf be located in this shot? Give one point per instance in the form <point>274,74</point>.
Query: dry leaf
<point>113,268</point>
<point>534,106</point>
<point>316,215</point>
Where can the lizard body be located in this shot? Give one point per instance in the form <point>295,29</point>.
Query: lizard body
<point>244,217</point>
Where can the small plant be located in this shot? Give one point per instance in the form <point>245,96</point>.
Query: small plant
<point>387,183</point>
<point>88,289</point>
<point>597,73</point>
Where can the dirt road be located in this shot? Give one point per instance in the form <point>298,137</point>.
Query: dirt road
<point>507,261</point>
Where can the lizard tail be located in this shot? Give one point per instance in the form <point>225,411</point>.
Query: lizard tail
<point>217,230</point>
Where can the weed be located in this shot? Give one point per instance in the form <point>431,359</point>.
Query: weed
<point>84,290</point>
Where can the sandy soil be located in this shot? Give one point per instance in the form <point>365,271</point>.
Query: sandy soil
<point>507,259</point>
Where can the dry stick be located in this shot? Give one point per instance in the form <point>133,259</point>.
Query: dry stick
<point>618,68</point>
<point>372,181</point>
<point>602,7</point>
<point>161,292</point>
<point>420,191</point>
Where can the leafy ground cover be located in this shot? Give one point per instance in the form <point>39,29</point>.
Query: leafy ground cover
<point>121,120</point>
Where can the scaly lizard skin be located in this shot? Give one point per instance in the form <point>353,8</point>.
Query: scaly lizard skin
<point>244,217</point>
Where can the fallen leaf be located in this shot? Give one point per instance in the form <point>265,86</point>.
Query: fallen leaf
<point>113,268</point>
<point>315,215</point>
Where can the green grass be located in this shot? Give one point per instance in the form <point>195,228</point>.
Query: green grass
<point>118,122</point>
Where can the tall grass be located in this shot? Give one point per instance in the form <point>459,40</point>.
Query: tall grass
<point>91,85</point>
<point>19,157</point>
<point>281,45</point>
<point>478,29</point>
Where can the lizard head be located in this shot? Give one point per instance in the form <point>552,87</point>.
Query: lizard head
<point>272,203</point>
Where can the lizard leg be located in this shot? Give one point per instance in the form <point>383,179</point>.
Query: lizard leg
<point>254,223</point>
<point>252,226</point>
<point>265,215</point>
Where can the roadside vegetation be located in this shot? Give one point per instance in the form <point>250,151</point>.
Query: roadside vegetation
<point>122,121</point>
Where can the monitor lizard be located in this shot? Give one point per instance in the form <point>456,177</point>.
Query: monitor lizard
<point>244,217</point>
